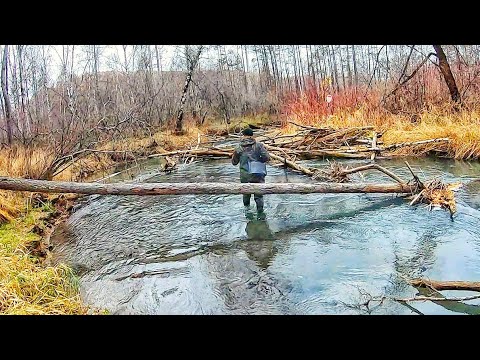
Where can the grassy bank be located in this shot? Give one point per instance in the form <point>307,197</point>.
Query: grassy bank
<point>27,286</point>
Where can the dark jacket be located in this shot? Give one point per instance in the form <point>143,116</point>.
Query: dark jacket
<point>249,149</point>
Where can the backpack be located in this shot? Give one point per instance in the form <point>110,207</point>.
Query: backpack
<point>256,167</point>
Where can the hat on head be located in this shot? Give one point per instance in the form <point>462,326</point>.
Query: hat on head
<point>247,132</point>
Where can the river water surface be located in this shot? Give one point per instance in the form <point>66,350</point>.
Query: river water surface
<point>312,254</point>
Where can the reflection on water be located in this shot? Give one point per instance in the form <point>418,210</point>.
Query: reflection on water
<point>309,254</point>
<point>260,246</point>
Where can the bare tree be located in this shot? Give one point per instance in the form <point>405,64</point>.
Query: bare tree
<point>447,75</point>
<point>192,58</point>
<point>6,98</point>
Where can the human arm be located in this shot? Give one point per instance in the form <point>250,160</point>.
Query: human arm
<point>236,156</point>
<point>263,155</point>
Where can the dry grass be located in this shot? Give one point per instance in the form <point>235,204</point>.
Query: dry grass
<point>463,130</point>
<point>18,162</point>
<point>24,162</point>
<point>26,286</point>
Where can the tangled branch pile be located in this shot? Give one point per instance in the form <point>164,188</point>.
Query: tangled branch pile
<point>438,194</point>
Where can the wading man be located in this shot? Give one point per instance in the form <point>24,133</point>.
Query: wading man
<point>252,157</point>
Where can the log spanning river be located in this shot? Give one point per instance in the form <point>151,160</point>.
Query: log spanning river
<point>311,254</point>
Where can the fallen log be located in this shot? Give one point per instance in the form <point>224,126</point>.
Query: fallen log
<point>455,306</point>
<point>292,164</point>
<point>376,167</point>
<point>198,152</point>
<point>332,153</point>
<point>368,141</point>
<point>446,285</point>
<point>337,173</point>
<point>312,128</point>
<point>45,186</point>
<point>395,146</point>
<point>357,149</point>
<point>426,298</point>
<point>283,150</point>
<point>374,145</point>
<point>299,134</point>
<point>336,135</point>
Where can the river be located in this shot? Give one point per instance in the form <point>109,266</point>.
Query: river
<point>312,254</point>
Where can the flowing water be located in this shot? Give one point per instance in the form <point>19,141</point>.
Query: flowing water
<point>312,254</point>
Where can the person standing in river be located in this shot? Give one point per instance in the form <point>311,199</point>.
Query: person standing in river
<point>252,157</point>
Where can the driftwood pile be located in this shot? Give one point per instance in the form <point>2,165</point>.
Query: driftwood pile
<point>437,193</point>
<point>309,143</point>
<point>354,142</point>
<point>326,142</point>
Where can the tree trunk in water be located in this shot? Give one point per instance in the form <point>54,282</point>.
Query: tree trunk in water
<point>196,188</point>
<point>447,75</point>
<point>6,99</point>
